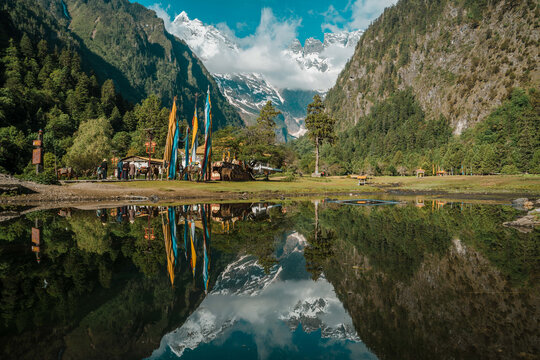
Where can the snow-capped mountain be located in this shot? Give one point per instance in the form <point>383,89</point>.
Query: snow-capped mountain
<point>309,314</point>
<point>205,40</point>
<point>317,55</point>
<point>249,91</point>
<point>268,307</point>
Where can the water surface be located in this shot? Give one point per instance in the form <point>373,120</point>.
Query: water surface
<point>306,280</point>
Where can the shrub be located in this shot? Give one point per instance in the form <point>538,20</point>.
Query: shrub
<point>47,177</point>
<point>289,177</point>
<point>510,170</point>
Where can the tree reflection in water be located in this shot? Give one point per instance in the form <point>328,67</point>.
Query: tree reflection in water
<point>423,280</point>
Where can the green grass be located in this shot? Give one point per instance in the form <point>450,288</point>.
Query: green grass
<point>466,184</point>
<point>529,184</point>
<point>302,185</point>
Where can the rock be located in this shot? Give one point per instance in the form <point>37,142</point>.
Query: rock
<point>519,204</point>
<point>525,223</point>
<point>14,189</point>
<point>528,204</point>
<point>8,215</point>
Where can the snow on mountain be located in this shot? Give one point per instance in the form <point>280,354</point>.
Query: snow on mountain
<point>249,91</point>
<point>309,313</point>
<point>245,277</point>
<point>316,55</point>
<point>265,305</point>
<point>205,40</point>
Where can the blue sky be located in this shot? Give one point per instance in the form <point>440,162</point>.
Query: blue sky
<point>314,17</point>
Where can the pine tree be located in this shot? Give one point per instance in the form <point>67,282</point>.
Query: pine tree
<point>42,50</point>
<point>266,124</point>
<point>13,67</point>
<point>27,49</point>
<point>320,126</point>
<point>108,96</point>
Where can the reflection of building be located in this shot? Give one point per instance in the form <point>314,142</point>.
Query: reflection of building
<point>437,204</point>
<point>36,241</point>
<point>228,214</point>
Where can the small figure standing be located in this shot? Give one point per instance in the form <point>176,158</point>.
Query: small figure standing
<point>119,170</point>
<point>125,170</point>
<point>132,170</point>
<point>104,169</point>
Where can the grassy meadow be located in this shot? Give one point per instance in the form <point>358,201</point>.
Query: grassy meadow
<point>498,184</point>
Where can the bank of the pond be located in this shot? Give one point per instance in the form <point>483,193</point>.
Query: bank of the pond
<point>460,187</point>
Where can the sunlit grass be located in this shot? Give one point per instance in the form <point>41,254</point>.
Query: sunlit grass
<point>301,185</point>
<point>305,185</point>
<point>466,184</point>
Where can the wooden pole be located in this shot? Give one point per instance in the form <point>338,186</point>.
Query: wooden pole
<point>39,164</point>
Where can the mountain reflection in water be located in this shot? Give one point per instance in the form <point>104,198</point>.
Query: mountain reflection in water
<point>425,279</point>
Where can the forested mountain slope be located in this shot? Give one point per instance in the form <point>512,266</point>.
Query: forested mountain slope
<point>461,58</point>
<point>124,42</point>
<point>441,84</point>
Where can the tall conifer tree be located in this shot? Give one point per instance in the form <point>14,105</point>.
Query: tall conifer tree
<point>320,126</point>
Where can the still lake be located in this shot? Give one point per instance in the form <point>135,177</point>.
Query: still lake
<point>302,280</point>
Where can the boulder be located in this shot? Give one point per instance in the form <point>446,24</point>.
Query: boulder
<point>524,224</point>
<point>521,204</point>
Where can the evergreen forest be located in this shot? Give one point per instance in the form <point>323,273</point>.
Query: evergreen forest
<point>397,138</point>
<point>82,120</point>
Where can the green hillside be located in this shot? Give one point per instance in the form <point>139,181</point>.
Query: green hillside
<point>461,58</point>
<point>92,93</point>
<point>124,42</point>
<point>450,83</point>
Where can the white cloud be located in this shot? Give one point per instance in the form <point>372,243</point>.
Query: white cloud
<point>262,52</point>
<point>365,11</point>
<point>162,13</point>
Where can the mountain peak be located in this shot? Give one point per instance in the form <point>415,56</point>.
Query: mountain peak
<point>296,46</point>
<point>313,46</point>
<point>249,92</point>
<point>182,17</point>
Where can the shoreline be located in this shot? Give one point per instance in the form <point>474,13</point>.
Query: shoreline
<point>50,196</point>
<point>55,196</point>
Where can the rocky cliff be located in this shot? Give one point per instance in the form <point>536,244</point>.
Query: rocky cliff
<point>461,59</point>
